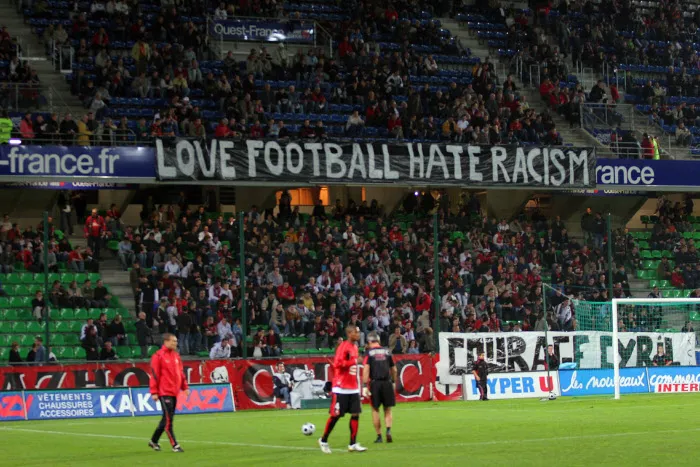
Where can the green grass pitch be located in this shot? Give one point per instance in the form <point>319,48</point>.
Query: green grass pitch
<point>640,430</point>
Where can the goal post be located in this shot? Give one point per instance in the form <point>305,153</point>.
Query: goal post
<point>660,314</point>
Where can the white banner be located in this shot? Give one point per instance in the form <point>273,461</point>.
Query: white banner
<point>513,386</point>
<point>525,351</point>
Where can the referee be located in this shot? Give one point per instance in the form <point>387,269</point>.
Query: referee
<point>380,370</point>
<point>481,372</point>
<point>167,380</point>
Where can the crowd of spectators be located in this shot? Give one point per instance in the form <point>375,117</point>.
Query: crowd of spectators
<point>311,275</point>
<point>379,84</point>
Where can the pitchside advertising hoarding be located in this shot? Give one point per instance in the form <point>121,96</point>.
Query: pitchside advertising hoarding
<point>513,385</point>
<point>109,403</point>
<point>525,351</point>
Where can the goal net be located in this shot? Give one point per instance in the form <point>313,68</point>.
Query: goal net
<point>627,346</point>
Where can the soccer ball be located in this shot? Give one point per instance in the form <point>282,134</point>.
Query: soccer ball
<point>308,429</point>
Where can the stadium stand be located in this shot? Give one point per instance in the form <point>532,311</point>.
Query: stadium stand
<point>164,66</point>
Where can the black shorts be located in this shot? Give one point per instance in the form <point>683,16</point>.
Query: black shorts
<point>345,403</point>
<point>382,394</point>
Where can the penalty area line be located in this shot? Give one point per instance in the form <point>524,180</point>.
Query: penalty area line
<point>136,438</point>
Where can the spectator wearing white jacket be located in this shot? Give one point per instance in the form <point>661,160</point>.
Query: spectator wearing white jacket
<point>221,349</point>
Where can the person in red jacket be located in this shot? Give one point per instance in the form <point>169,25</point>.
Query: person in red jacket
<point>424,302</point>
<point>346,391</point>
<point>285,293</point>
<point>167,380</point>
<point>94,228</point>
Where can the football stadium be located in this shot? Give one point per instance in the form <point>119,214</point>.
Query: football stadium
<point>306,231</point>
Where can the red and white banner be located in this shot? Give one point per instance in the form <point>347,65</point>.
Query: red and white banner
<point>85,375</point>
<point>251,379</point>
<point>253,387</point>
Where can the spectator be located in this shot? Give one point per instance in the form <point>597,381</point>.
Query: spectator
<point>283,383</point>
<point>15,357</point>
<point>221,349</point>
<point>142,334</point>
<point>90,344</point>
<point>107,352</point>
<point>116,333</point>
<point>397,343</point>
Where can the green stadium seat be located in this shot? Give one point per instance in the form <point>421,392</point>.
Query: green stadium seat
<point>694,316</point>
<point>22,291</point>
<point>80,353</point>
<point>656,254</point>
<point>67,277</point>
<point>13,278</point>
<point>95,313</point>
<point>675,293</point>
<point>11,314</point>
<point>123,351</point>
<point>4,302</point>
<point>35,327</point>
<point>640,274</point>
<point>55,326</point>
<point>69,352</point>
<point>76,326</point>
<point>645,254</point>
<point>94,277</point>
<point>9,289</point>
<point>38,279</point>
<point>113,245</point>
<point>687,235</point>
<point>25,314</point>
<point>645,220</point>
<point>5,340</point>
<point>666,254</point>
<point>653,283</point>
<point>152,349</point>
<point>66,314</point>
<point>4,354</point>
<point>135,351</point>
<point>80,278</point>
<point>19,326</point>
<point>25,340</point>
<point>664,284</point>
<point>57,339</point>
<point>81,314</point>
<point>643,245</point>
<point>26,278</point>
<point>71,339</point>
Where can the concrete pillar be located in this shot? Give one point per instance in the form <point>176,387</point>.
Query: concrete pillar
<point>506,203</point>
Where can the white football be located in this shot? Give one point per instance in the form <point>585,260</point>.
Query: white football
<point>308,429</point>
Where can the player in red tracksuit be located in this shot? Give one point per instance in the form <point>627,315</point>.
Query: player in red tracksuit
<point>167,380</point>
<point>346,391</point>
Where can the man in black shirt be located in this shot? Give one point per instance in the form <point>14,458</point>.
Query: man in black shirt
<point>380,370</point>
<point>481,372</point>
<point>552,359</point>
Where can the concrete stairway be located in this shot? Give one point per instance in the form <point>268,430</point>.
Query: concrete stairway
<point>111,272</point>
<point>572,136</point>
<point>56,90</point>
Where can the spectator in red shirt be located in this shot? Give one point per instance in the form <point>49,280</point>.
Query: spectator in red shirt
<point>285,293</point>
<point>256,131</point>
<point>94,230</point>
<point>222,130</point>
<point>76,261</point>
